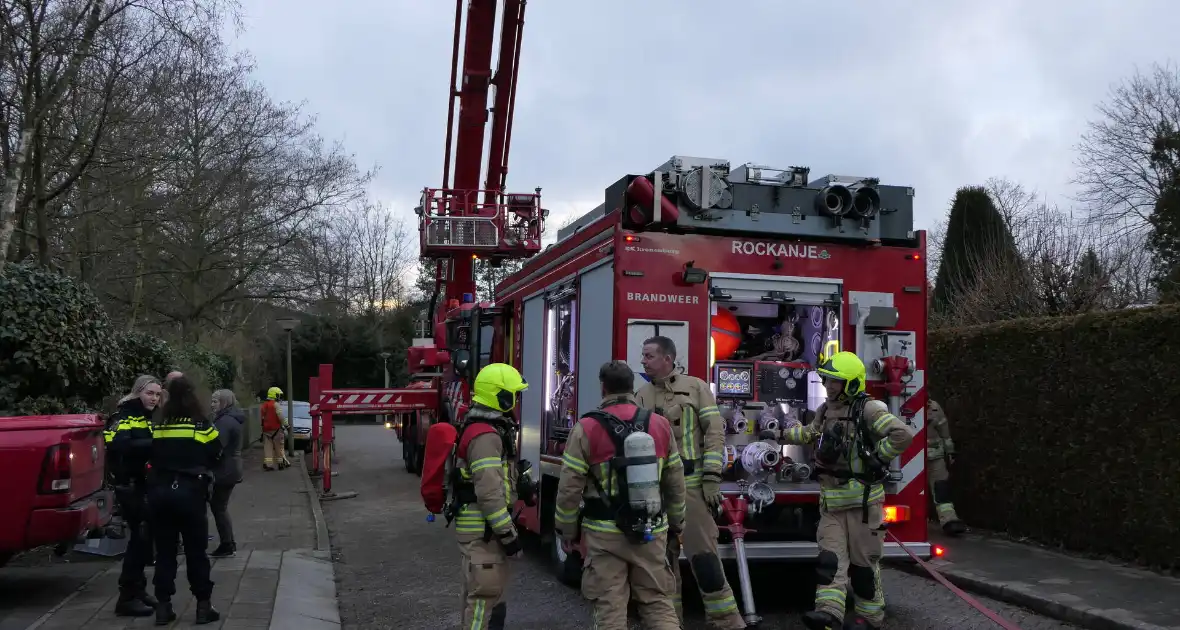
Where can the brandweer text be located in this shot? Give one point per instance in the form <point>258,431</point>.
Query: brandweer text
<point>666,298</point>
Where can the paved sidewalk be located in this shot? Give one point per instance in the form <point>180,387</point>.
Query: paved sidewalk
<point>277,580</point>
<point>1089,593</point>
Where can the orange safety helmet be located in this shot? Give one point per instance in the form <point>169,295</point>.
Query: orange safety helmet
<point>726,334</point>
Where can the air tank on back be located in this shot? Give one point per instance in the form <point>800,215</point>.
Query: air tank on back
<point>643,474</point>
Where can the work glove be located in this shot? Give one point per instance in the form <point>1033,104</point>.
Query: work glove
<point>510,543</point>
<point>711,486</point>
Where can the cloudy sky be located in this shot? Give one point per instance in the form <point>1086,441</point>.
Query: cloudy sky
<point>931,94</point>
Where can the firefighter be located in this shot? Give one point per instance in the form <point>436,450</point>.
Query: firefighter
<point>857,439</point>
<point>274,445</point>
<point>619,564</point>
<point>483,495</point>
<point>689,405</point>
<point>184,448</point>
<point>128,448</point>
<point>940,451</point>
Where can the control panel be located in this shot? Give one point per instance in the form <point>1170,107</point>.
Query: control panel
<point>734,380</point>
<point>782,382</point>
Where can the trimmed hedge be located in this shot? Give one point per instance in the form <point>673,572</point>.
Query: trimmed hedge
<point>1068,429</point>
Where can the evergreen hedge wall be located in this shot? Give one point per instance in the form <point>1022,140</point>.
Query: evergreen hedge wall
<point>1068,429</point>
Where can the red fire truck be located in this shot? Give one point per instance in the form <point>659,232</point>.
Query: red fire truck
<point>751,271</point>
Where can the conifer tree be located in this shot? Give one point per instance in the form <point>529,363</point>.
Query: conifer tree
<point>976,237</point>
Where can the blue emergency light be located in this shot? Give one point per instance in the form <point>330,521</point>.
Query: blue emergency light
<point>468,298</point>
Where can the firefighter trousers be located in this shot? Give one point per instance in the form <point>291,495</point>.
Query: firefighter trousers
<point>274,450</point>
<point>484,575</point>
<point>940,489</point>
<point>850,554</point>
<point>699,541</point>
<point>618,571</point>
<point>179,511</point>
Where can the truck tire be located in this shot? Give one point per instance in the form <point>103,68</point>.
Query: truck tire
<point>567,567</point>
<point>410,449</point>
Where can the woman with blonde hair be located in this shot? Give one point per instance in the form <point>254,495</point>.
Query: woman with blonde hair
<point>228,418</point>
<point>129,439</point>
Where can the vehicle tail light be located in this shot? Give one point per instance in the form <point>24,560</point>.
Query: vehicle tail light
<point>55,471</point>
<point>938,551</point>
<point>897,513</point>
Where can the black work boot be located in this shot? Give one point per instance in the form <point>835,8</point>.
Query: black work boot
<point>164,614</point>
<point>955,528</point>
<point>858,623</point>
<point>130,605</point>
<point>148,600</point>
<point>224,550</point>
<point>496,620</point>
<point>206,613</point>
<point>820,620</point>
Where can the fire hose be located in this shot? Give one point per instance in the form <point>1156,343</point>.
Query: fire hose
<point>960,593</point>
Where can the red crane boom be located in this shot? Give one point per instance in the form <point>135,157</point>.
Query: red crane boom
<point>463,222</point>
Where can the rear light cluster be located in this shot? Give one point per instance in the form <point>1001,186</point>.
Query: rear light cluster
<point>896,513</point>
<point>56,470</point>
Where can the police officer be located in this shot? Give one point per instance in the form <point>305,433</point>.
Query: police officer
<point>857,439</point>
<point>620,565</point>
<point>689,405</point>
<point>184,448</point>
<point>940,451</point>
<point>128,448</point>
<point>483,496</point>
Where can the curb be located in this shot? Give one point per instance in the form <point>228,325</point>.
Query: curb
<point>1090,618</point>
<point>322,542</point>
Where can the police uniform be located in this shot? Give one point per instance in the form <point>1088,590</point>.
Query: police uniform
<point>689,405</point>
<point>939,447</point>
<point>128,440</point>
<point>852,493</point>
<point>618,568</point>
<point>182,454</point>
<point>484,495</point>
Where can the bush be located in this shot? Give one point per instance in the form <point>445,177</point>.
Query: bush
<point>143,354</point>
<point>56,341</point>
<point>1065,431</point>
<point>216,371</point>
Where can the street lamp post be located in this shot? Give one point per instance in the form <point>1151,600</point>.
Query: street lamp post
<point>385,368</point>
<point>288,324</point>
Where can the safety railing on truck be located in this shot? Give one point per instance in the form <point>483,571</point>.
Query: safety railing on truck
<point>486,222</point>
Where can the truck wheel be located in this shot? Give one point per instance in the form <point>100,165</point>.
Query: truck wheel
<point>5,557</point>
<point>410,453</point>
<point>568,567</point>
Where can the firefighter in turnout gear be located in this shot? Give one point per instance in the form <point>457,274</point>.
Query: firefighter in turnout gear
<point>689,405</point>
<point>855,439</point>
<point>634,501</point>
<point>940,451</point>
<point>274,446</point>
<point>483,494</point>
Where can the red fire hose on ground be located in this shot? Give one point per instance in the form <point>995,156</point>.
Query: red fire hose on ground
<point>960,593</point>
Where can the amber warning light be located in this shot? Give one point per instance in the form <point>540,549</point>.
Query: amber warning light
<point>938,551</point>
<point>913,257</point>
<point>897,513</point>
<point>631,238</point>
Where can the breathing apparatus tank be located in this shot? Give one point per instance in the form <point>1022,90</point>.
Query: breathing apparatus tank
<point>643,478</point>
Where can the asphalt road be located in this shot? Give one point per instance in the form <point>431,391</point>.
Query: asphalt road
<point>395,570</point>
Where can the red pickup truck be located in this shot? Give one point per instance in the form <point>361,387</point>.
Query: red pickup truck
<point>52,474</point>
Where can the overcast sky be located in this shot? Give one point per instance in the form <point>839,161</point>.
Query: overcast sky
<point>932,94</point>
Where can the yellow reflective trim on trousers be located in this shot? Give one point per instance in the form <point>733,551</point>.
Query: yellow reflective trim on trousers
<point>719,606</point>
<point>609,527</point>
<point>575,464</point>
<point>850,495</point>
<point>477,615</point>
<point>829,594</point>
<point>693,480</point>
<point>565,517</point>
<point>484,463</point>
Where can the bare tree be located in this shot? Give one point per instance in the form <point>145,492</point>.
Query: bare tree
<point>1119,183</point>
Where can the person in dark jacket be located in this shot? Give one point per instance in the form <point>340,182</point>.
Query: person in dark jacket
<point>185,450</point>
<point>128,433</point>
<point>229,419</point>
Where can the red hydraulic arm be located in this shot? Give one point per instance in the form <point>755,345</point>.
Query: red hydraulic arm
<point>462,222</point>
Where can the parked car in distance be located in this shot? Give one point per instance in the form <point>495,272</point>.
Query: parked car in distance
<point>301,424</point>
